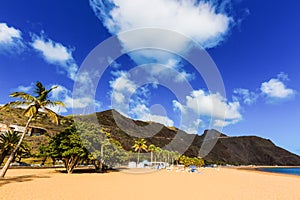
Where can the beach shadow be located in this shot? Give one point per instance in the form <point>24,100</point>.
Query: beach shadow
<point>87,171</point>
<point>19,179</point>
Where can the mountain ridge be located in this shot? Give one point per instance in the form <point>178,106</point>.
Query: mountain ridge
<point>243,150</point>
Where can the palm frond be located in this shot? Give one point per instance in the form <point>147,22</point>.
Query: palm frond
<point>39,88</point>
<point>15,104</point>
<point>23,95</point>
<point>52,103</point>
<point>34,103</point>
<point>54,87</point>
<point>51,115</point>
<point>31,111</point>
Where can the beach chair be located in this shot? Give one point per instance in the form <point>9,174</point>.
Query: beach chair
<point>193,169</point>
<point>170,168</point>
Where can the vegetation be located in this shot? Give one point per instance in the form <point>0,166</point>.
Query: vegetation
<point>33,103</point>
<point>188,161</point>
<point>8,142</point>
<point>103,149</point>
<point>151,148</point>
<point>67,146</point>
<point>158,151</point>
<point>261,152</point>
<point>85,142</point>
<point>139,145</point>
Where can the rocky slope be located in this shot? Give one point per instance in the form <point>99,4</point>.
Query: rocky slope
<point>233,150</point>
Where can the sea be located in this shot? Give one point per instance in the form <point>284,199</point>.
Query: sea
<point>283,170</point>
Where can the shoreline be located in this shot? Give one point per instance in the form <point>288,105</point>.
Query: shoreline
<point>258,169</point>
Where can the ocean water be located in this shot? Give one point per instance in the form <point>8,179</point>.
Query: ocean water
<point>285,170</point>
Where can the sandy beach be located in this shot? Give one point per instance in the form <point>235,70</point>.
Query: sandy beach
<point>210,184</point>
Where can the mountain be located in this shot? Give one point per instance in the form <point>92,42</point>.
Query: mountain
<point>233,150</point>
<point>14,116</point>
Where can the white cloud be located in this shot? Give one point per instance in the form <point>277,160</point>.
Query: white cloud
<point>203,103</point>
<point>199,20</point>
<point>10,39</point>
<point>246,96</point>
<point>223,123</point>
<point>200,104</point>
<point>113,63</point>
<point>172,69</point>
<point>142,112</point>
<point>57,54</point>
<point>193,126</point>
<point>123,82</point>
<point>275,88</point>
<point>61,93</point>
<point>8,34</point>
<point>125,93</point>
<point>25,88</point>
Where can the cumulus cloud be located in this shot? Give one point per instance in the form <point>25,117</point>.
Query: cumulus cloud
<point>223,123</point>
<point>270,91</point>
<point>200,104</point>
<point>142,112</point>
<point>173,70</point>
<point>245,95</point>
<point>63,94</point>
<point>207,104</point>
<point>127,94</point>
<point>25,88</point>
<point>202,21</point>
<point>56,54</point>
<point>275,88</point>
<point>10,39</point>
<point>8,34</point>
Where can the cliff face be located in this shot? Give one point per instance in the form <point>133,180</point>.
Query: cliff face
<point>235,150</point>
<point>251,150</point>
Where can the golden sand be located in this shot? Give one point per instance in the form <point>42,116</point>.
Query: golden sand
<point>210,184</point>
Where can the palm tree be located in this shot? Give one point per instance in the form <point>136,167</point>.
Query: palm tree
<point>158,150</point>
<point>151,148</point>
<point>8,141</point>
<point>138,146</point>
<point>40,100</point>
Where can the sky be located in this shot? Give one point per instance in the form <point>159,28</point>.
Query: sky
<point>231,65</point>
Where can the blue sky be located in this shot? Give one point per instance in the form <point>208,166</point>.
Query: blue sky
<point>254,45</point>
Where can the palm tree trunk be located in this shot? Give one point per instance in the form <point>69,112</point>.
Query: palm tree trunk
<point>13,153</point>
<point>138,160</point>
<point>151,156</point>
<point>101,157</point>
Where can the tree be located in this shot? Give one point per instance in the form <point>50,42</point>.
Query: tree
<point>139,145</point>
<point>40,100</point>
<point>68,147</point>
<point>158,151</point>
<point>151,148</point>
<point>175,157</point>
<point>94,140</point>
<point>44,153</point>
<point>8,141</point>
<point>187,161</point>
